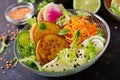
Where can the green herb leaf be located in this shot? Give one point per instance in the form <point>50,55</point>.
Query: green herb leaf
<point>100,32</point>
<point>74,44</point>
<point>42,26</point>
<point>63,31</point>
<point>76,36</point>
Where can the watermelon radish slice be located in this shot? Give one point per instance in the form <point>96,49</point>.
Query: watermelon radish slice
<point>52,12</point>
<point>40,15</point>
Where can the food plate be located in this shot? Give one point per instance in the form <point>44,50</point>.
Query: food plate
<point>92,18</point>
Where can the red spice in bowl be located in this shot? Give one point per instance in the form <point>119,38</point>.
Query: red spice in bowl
<point>19,13</point>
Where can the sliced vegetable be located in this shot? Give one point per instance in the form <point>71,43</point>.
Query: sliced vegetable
<point>23,38</point>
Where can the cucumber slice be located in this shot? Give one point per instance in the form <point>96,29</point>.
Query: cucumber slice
<point>23,38</point>
<point>98,45</point>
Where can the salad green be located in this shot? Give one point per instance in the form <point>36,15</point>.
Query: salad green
<point>3,44</point>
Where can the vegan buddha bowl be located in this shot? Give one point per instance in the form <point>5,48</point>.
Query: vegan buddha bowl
<point>60,42</point>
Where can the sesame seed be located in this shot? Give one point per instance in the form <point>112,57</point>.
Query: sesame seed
<point>51,65</point>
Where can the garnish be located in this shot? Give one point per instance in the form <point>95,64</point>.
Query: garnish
<point>100,32</point>
<point>63,31</point>
<point>42,26</point>
<point>75,39</point>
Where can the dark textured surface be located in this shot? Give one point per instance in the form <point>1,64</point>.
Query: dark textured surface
<point>106,68</point>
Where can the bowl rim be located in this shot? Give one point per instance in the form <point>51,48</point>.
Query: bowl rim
<point>75,70</point>
<point>15,6</point>
<point>112,13</point>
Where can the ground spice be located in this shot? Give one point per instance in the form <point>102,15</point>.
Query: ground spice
<point>19,13</point>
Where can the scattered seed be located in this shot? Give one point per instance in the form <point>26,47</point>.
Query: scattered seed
<point>7,62</point>
<point>116,27</point>
<point>1,59</point>
<point>11,62</point>
<point>9,31</point>
<point>3,72</point>
<point>1,67</point>
<point>7,25</point>
<point>4,60</point>
<point>13,27</point>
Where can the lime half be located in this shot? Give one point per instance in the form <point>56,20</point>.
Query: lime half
<point>89,5</point>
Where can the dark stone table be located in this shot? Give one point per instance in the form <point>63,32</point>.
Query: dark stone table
<point>106,68</point>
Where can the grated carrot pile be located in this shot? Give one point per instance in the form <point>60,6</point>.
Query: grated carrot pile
<point>86,28</point>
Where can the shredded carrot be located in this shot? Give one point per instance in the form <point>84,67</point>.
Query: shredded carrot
<point>86,28</point>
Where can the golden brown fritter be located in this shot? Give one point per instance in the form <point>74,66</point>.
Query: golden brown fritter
<point>48,47</point>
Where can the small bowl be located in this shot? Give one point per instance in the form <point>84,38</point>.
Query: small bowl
<point>92,18</point>
<point>16,6</point>
<point>107,4</point>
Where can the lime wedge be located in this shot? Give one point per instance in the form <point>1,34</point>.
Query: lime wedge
<point>89,5</point>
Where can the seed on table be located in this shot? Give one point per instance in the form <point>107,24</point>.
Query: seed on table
<point>11,62</point>
<point>3,72</point>
<point>4,60</point>
<point>9,31</point>
<point>7,62</point>
<point>1,67</point>
<point>1,59</point>
<point>8,67</point>
<point>13,27</point>
<point>8,25</point>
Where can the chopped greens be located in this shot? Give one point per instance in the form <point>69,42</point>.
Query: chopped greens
<point>28,50</point>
